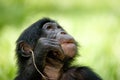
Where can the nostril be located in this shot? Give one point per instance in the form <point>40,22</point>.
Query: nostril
<point>63,32</point>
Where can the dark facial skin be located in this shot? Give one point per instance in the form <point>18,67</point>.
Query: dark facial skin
<point>66,42</point>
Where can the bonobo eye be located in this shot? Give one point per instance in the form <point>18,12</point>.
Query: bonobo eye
<point>49,26</point>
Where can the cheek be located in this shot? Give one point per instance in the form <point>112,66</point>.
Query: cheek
<point>69,49</point>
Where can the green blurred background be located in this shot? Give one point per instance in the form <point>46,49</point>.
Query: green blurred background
<point>95,24</point>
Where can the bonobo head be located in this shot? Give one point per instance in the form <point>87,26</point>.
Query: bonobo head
<point>45,28</point>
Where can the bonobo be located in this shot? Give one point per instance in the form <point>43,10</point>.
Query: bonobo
<point>45,51</point>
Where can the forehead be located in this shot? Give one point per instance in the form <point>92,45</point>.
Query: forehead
<point>52,24</point>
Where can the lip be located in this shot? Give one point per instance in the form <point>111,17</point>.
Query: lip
<point>67,41</point>
<point>68,44</point>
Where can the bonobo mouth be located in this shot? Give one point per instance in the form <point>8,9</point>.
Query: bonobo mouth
<point>67,41</point>
<point>69,47</point>
<point>69,50</point>
<point>68,44</point>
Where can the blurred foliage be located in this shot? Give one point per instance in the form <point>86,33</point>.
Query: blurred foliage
<point>93,23</point>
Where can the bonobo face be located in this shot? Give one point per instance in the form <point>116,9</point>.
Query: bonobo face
<point>52,30</point>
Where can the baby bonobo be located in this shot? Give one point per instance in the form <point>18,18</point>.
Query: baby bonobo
<point>45,51</point>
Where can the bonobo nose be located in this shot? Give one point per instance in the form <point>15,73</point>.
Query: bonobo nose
<point>63,32</point>
<point>63,37</point>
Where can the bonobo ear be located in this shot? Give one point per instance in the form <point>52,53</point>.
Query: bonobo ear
<point>25,49</point>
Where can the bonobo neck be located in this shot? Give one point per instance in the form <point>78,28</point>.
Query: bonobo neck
<point>52,69</point>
